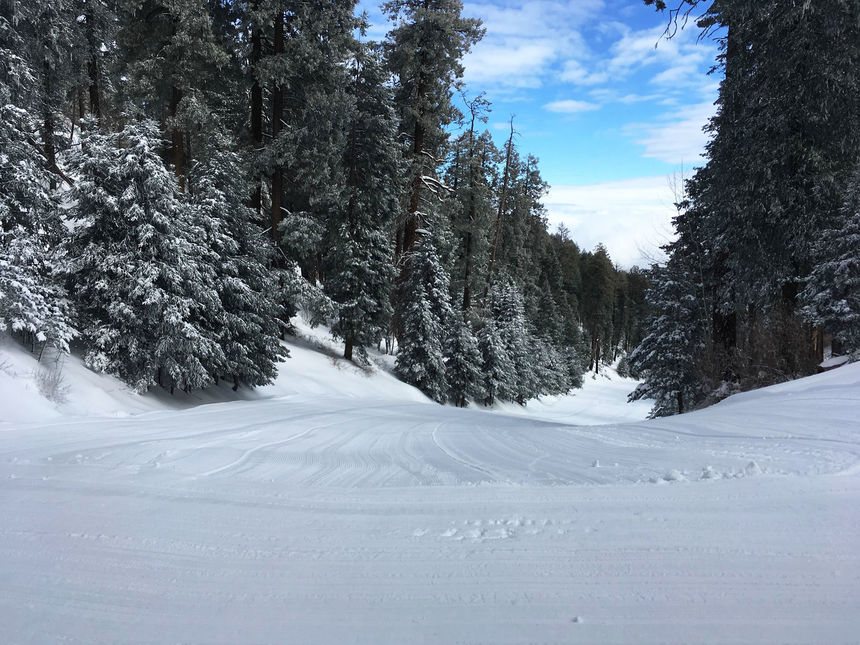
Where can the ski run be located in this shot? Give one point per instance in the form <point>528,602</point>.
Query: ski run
<point>345,507</point>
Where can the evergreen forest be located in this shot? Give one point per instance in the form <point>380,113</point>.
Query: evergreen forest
<point>179,178</point>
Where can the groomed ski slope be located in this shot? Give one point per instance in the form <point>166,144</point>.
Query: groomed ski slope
<point>314,517</point>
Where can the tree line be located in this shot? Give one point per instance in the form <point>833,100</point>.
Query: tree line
<point>179,177</point>
<point>765,266</point>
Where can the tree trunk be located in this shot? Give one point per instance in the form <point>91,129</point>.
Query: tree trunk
<point>411,228</point>
<point>49,124</point>
<point>467,277</point>
<point>93,71</point>
<point>467,270</point>
<point>503,196</point>
<point>256,108</point>
<point>177,149</point>
<point>348,345</point>
<point>277,116</point>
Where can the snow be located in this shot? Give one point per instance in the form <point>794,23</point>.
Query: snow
<point>602,399</point>
<point>340,506</point>
<point>834,361</point>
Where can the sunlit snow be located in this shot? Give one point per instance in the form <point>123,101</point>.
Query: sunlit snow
<point>340,506</point>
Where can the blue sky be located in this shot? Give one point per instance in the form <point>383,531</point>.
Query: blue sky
<point>613,111</point>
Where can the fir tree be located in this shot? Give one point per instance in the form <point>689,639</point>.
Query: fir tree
<point>420,359</point>
<point>470,206</point>
<point>137,265</point>
<point>31,299</point>
<point>245,320</point>
<point>425,48</point>
<point>508,311</point>
<point>361,269</point>
<point>497,369</point>
<point>170,65</point>
<point>307,75</point>
<point>832,291</point>
<point>463,362</point>
<point>668,358</point>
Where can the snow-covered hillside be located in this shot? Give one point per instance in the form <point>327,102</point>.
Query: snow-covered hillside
<point>338,507</point>
<point>314,368</point>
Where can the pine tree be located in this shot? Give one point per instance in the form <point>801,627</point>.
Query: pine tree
<point>832,291</point>
<point>463,362</point>
<point>598,295</point>
<point>508,312</point>
<point>360,264</point>
<point>470,206</point>
<point>425,48</point>
<point>31,298</point>
<point>170,62</point>
<point>137,265</point>
<point>50,33</point>
<point>245,320</point>
<point>497,369</point>
<point>668,358</point>
<point>420,359</point>
<point>307,75</point>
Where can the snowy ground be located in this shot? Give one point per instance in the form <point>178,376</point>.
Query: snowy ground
<point>345,508</point>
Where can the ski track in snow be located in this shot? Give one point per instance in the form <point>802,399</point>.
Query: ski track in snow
<point>333,520</point>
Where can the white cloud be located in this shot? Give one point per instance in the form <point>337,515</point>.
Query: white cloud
<point>518,62</point>
<point>576,73</point>
<point>677,138</point>
<point>570,106</point>
<point>632,217</point>
<point>675,64</point>
<point>524,42</point>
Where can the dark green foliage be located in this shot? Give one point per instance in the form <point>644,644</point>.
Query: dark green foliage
<point>763,216</point>
<point>668,358</point>
<point>361,265</point>
<point>420,360</point>
<point>245,320</point>
<point>832,291</point>
<point>462,362</point>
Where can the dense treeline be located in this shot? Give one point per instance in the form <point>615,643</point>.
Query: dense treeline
<point>765,267</point>
<point>179,177</point>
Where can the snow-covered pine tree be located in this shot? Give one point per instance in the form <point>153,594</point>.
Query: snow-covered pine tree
<point>668,358</point>
<point>306,72</point>
<point>463,362</point>
<point>551,373</point>
<point>136,264</point>
<point>425,49</point>
<point>170,63</point>
<point>31,299</point>
<point>99,30</point>
<point>785,138</point>
<point>508,311</point>
<point>245,323</point>
<point>470,207</point>
<point>497,369</point>
<point>50,34</point>
<point>572,361</point>
<point>832,291</point>
<point>420,359</point>
<point>360,263</point>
